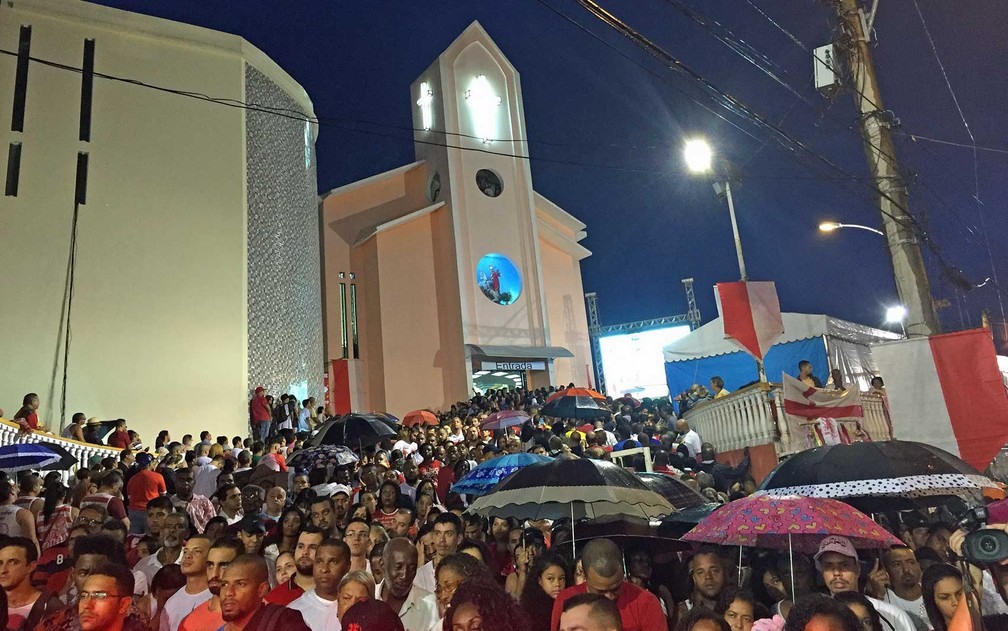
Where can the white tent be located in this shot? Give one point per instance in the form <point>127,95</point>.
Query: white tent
<point>844,345</point>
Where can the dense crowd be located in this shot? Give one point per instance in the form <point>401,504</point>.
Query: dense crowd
<point>220,533</point>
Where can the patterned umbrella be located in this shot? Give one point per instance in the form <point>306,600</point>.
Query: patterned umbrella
<point>577,488</point>
<point>576,407</point>
<point>504,419</point>
<point>487,474</point>
<point>322,456</point>
<point>764,521</point>
<point>876,476</point>
<point>577,392</point>
<point>420,417</point>
<point>36,456</point>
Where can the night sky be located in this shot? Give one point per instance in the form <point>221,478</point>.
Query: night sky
<point>606,124</point>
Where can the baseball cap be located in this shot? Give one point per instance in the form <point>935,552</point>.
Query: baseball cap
<point>143,458</point>
<point>838,544</point>
<point>252,524</point>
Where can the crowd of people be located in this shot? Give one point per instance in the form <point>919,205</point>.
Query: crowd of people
<point>220,533</point>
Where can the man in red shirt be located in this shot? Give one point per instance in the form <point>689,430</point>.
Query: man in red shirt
<point>603,566</point>
<point>143,486</point>
<point>260,414</point>
<point>120,437</point>
<point>27,416</point>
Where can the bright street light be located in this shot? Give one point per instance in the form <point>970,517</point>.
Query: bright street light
<point>699,158</point>
<point>830,226</point>
<point>895,314</point>
<point>698,155</point>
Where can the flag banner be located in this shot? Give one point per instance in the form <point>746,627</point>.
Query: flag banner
<point>750,314</point>
<point>946,390</point>
<point>814,403</point>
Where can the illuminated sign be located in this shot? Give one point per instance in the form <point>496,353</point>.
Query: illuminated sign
<point>528,365</point>
<point>424,102</point>
<point>484,104</point>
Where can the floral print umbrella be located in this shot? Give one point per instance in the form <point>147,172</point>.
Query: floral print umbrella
<point>765,521</point>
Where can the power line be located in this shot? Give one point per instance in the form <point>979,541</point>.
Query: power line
<point>739,108</point>
<point>976,159</point>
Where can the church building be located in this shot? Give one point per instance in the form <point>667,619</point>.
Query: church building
<point>452,274</point>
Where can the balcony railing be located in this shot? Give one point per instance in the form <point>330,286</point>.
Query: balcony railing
<point>755,416</point>
<point>10,434</point>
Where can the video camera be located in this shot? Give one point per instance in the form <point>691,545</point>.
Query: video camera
<point>985,546</point>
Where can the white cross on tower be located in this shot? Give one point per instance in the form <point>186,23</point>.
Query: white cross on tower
<point>425,100</point>
<point>483,103</point>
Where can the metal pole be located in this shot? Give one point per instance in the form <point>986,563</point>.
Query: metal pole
<point>735,233</point>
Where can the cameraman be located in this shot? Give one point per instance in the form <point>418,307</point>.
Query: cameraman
<point>993,583</point>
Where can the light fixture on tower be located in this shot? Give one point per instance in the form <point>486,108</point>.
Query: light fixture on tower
<point>484,104</point>
<point>425,100</point>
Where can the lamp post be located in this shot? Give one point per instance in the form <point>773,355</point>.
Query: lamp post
<point>830,226</point>
<point>700,159</point>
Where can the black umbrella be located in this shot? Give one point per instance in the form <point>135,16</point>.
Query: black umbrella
<point>575,407</point>
<point>578,488</point>
<point>879,476</point>
<point>674,490</point>
<point>680,522</point>
<point>353,430</point>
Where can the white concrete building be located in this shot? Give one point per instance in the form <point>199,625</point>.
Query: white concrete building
<point>197,256</point>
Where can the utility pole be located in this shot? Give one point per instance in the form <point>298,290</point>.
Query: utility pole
<point>908,265</point>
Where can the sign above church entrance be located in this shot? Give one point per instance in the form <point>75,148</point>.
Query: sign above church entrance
<point>513,365</point>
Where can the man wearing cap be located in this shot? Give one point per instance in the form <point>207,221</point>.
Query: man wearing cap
<point>144,485</point>
<point>837,561</point>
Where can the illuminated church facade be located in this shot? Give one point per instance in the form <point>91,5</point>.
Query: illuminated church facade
<point>452,274</point>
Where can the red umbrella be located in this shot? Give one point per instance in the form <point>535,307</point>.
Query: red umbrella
<point>504,419</point>
<point>577,392</point>
<point>420,417</point>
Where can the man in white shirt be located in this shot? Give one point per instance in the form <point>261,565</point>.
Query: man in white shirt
<point>689,437</point>
<point>206,477</point>
<point>196,590</point>
<point>447,536</point>
<point>318,606</point>
<point>837,560</point>
<point>902,582</point>
<point>417,607</point>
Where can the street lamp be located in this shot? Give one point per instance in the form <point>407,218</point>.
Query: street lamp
<point>700,159</point>
<point>830,226</point>
<point>896,315</point>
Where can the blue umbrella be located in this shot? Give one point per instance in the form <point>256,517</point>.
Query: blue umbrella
<point>487,474</point>
<point>36,456</point>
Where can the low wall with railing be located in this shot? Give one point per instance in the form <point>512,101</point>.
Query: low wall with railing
<point>10,434</point>
<point>755,416</point>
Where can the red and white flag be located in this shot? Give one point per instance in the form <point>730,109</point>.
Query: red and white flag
<point>750,314</point>
<point>946,390</point>
<point>814,403</point>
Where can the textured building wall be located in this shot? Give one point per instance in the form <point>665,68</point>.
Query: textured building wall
<point>284,284</point>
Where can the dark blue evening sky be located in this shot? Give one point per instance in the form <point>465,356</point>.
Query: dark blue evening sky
<point>606,133</point>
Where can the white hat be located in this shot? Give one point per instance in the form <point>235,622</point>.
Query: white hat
<point>838,544</point>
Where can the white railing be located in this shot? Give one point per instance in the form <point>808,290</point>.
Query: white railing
<point>10,434</point>
<point>741,419</point>
<point>755,416</point>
